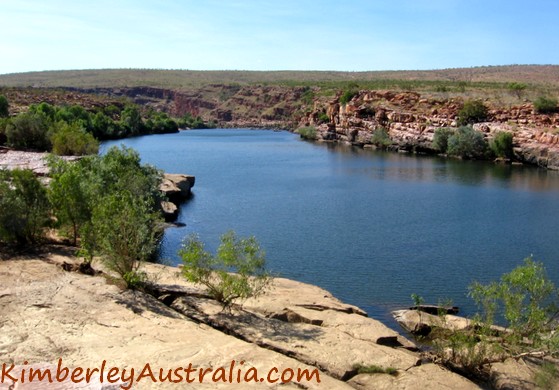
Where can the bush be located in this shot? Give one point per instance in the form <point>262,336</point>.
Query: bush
<point>29,131</point>
<point>72,140</point>
<point>526,301</point>
<point>501,145</point>
<point>308,132</point>
<point>473,111</point>
<point>24,207</point>
<point>440,138</point>
<point>242,256</point>
<point>127,232</point>
<point>467,143</point>
<point>110,203</point>
<point>381,138</point>
<point>545,105</point>
<point>348,95</point>
<point>323,117</point>
<point>4,107</point>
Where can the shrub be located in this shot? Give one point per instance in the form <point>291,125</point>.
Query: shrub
<point>28,131</point>
<point>323,117</point>
<point>467,143</point>
<point>526,300</point>
<point>501,145</point>
<point>72,140</point>
<point>4,107</point>
<point>545,105</point>
<point>24,207</point>
<point>307,132</point>
<point>381,138</point>
<point>348,95</point>
<point>440,138</point>
<point>473,111</point>
<point>127,232</point>
<point>242,256</point>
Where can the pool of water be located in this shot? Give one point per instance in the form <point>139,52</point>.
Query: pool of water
<point>370,227</point>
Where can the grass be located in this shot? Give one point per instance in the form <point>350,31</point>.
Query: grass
<point>374,369</point>
<point>446,80</point>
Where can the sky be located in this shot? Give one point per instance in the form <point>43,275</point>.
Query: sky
<point>355,35</point>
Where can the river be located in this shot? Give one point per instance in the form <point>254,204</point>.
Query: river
<point>371,227</point>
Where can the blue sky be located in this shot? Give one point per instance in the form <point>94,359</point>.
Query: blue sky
<point>353,35</point>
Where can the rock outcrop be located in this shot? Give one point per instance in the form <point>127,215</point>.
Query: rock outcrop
<point>411,120</point>
<point>49,313</point>
<point>176,188</point>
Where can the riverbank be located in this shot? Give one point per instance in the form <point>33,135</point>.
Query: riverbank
<point>53,314</point>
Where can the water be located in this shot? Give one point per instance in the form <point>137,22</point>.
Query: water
<point>370,227</point>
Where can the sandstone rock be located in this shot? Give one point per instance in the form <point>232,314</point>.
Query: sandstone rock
<point>48,314</point>
<point>177,186</point>
<point>170,211</point>
<point>420,323</point>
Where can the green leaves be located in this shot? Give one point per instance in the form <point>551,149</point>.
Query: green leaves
<point>237,271</point>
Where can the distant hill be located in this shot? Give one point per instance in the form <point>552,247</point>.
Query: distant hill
<point>541,75</point>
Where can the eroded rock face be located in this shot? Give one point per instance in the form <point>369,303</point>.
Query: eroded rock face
<point>411,121</point>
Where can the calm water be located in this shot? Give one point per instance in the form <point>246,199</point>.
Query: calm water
<point>370,227</point>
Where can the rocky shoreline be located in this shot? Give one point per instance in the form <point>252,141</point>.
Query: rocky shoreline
<point>50,313</point>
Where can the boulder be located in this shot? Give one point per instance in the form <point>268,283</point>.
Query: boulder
<point>177,186</point>
<point>170,211</point>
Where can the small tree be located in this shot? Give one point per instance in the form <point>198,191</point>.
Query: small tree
<point>528,302</point>
<point>242,256</point>
<point>125,231</point>
<point>517,89</point>
<point>69,139</point>
<point>29,131</point>
<point>24,207</point>
<point>501,145</point>
<point>71,194</point>
<point>473,111</point>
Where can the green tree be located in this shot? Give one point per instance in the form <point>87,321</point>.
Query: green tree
<point>527,299</point>
<point>24,207</point>
<point>131,120</point>
<point>501,145</point>
<point>126,233</point>
<point>517,89</point>
<point>467,143</point>
<point>4,107</point>
<point>29,131</point>
<point>473,111</point>
<point>70,139</point>
<point>71,195</point>
<point>237,271</point>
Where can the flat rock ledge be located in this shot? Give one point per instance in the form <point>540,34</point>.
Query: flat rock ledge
<point>49,313</point>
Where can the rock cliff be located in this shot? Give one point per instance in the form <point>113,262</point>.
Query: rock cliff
<point>411,120</point>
